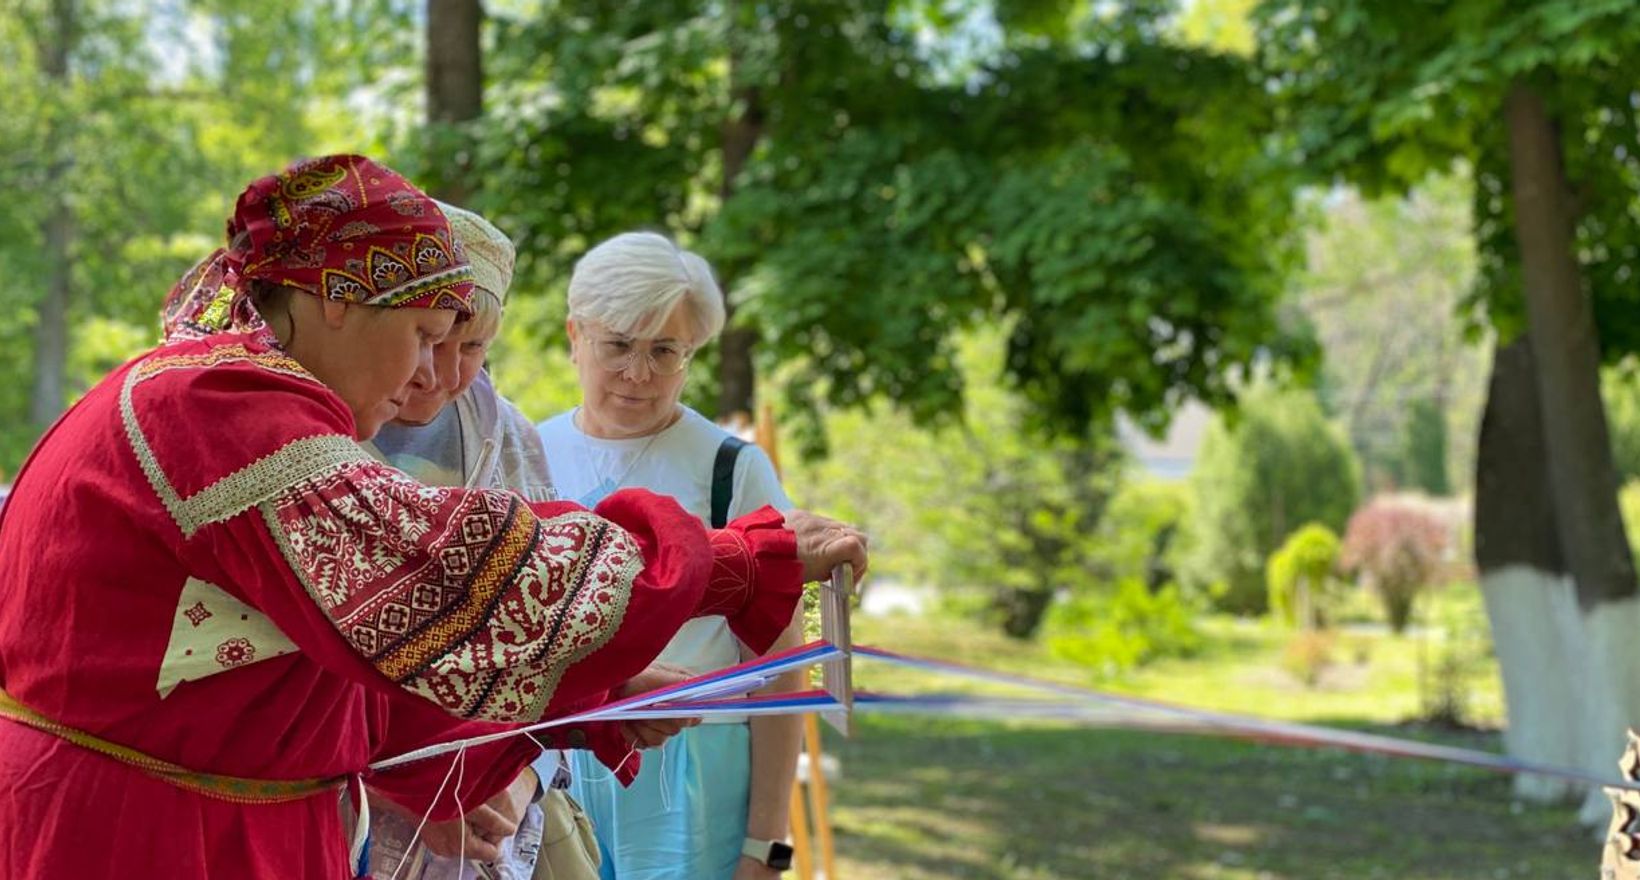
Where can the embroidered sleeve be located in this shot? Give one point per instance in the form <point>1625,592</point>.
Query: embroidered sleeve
<point>484,604</point>
<point>748,572</point>
<point>468,599</point>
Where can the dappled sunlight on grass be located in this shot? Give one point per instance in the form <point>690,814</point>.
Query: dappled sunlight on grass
<point>924,798</point>
<point>1226,835</point>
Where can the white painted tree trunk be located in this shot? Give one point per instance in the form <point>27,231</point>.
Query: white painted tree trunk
<point>1535,635</point>
<point>1571,680</point>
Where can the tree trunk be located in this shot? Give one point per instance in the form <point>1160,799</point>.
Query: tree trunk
<point>1021,609</point>
<point>51,333</point>
<point>455,88</point>
<point>1531,603</point>
<point>1566,350</point>
<point>741,130</point>
<point>1582,477</point>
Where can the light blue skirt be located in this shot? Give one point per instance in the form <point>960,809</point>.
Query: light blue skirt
<point>685,814</point>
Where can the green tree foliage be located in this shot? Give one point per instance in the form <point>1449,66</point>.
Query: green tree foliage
<point>1220,24</point>
<point>1620,387</point>
<point>1276,465</point>
<point>1142,534</point>
<point>977,507</point>
<point>1100,189</point>
<point>1372,263</point>
<point>1387,93</point>
<point>1299,576</point>
<point>1425,448</point>
<point>1537,96</point>
<point>165,113</point>
<point>89,149</point>
<point>1628,498</point>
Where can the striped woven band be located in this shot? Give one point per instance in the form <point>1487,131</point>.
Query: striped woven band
<point>227,788</point>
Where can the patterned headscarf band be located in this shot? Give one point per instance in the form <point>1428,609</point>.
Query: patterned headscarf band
<point>341,227</point>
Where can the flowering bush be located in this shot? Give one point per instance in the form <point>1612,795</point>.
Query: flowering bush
<point>1398,546</point>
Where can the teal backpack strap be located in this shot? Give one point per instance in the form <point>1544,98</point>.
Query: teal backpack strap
<point>723,479</point>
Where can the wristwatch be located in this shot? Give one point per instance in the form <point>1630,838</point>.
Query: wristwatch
<point>777,854</point>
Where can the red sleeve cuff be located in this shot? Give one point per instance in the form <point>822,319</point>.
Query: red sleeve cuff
<point>604,740</point>
<point>757,580</point>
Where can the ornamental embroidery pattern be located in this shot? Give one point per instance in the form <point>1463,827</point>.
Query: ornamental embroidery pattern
<point>235,652</point>
<point>464,597</point>
<point>732,574</point>
<point>198,613</point>
<point>213,632</point>
<point>245,488</point>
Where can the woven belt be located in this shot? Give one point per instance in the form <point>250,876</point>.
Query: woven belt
<point>227,788</point>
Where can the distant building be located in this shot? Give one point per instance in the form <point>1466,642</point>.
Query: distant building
<point>1173,456</point>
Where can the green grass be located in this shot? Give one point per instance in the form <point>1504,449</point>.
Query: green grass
<point>923,798</point>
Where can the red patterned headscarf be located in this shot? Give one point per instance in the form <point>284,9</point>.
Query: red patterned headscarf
<point>340,227</point>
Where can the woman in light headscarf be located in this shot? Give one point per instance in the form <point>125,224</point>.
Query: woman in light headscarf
<point>462,432</point>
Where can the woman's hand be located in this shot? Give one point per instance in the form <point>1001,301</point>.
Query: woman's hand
<point>652,732</point>
<point>823,544</point>
<point>485,827</point>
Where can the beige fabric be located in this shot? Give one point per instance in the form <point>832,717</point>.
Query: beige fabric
<point>214,632</point>
<point>568,849</point>
<point>489,250</point>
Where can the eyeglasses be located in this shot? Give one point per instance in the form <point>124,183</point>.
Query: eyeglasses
<point>615,354</point>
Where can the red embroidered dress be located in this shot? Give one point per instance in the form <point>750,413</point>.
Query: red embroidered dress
<point>199,564</point>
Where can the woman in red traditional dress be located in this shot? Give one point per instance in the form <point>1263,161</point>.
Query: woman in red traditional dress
<point>216,609</point>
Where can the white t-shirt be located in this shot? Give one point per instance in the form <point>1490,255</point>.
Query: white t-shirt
<point>677,462</point>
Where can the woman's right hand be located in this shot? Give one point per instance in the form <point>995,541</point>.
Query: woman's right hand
<point>654,732</point>
<point>823,544</point>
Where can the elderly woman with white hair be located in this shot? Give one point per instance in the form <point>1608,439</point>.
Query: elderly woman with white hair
<point>716,803</point>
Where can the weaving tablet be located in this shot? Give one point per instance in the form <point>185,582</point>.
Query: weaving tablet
<point>837,676</point>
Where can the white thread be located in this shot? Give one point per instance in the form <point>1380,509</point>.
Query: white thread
<point>627,757</point>
<point>666,794</point>
<point>410,848</point>
<point>461,809</point>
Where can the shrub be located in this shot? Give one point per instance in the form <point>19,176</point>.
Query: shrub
<point>1300,577</point>
<point>1139,535</point>
<point>1124,630</point>
<point>1628,500</point>
<point>1620,389</point>
<point>1398,546</point>
<point>1449,668</point>
<point>1275,465</point>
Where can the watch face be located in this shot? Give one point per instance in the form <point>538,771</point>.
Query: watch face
<point>780,856</point>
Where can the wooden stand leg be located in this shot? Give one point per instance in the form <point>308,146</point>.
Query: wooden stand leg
<point>818,797</point>
<point>802,843</point>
